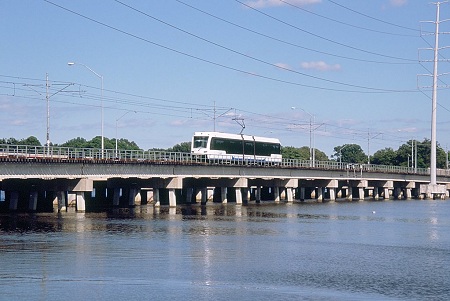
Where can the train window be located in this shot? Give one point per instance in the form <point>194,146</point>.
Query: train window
<point>200,141</point>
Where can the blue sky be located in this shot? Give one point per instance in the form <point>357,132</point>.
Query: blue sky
<point>174,67</point>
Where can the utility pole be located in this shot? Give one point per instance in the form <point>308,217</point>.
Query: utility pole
<point>433,188</point>
<point>47,97</point>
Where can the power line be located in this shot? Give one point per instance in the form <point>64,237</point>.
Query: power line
<point>243,54</point>
<point>373,18</point>
<point>323,38</point>
<point>289,43</point>
<point>370,89</point>
<point>344,23</point>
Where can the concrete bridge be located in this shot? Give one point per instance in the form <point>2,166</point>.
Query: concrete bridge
<point>38,181</point>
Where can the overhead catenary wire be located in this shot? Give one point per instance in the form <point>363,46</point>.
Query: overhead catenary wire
<point>191,111</point>
<point>346,23</point>
<point>321,37</point>
<point>293,44</point>
<point>365,89</point>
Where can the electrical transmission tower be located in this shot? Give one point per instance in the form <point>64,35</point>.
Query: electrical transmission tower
<point>433,188</point>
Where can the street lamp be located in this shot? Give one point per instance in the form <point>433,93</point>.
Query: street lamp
<point>101,78</point>
<point>117,122</point>
<point>340,153</point>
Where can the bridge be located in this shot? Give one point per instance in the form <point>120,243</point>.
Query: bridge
<point>38,178</point>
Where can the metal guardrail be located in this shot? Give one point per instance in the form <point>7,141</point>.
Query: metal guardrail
<point>26,152</point>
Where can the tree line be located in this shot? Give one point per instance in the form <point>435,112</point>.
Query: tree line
<point>411,153</point>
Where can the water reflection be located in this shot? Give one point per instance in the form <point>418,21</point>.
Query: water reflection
<point>228,252</point>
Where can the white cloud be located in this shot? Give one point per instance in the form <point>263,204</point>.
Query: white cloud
<point>283,66</point>
<point>320,66</point>
<point>398,2</point>
<point>268,3</point>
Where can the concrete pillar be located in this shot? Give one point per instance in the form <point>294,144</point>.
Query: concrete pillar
<point>132,196</point>
<point>116,196</point>
<point>313,193</point>
<point>156,197</point>
<point>282,193</point>
<point>204,195</point>
<point>290,194</point>
<point>13,200</point>
<point>223,195</point>
<point>332,194</point>
<point>302,193</point>
<point>238,196</point>
<point>276,194</point>
<point>408,192</point>
<point>376,193</point>
<point>61,201</point>
<point>339,193</point>
<point>349,193</point>
<point>32,204</point>
<point>80,202</point>
<point>361,193</point>
<point>189,195</point>
<point>320,194</point>
<point>386,193</point>
<point>245,195</point>
<point>258,194</point>
<point>172,198</point>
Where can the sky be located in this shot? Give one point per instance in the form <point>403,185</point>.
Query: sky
<point>319,73</point>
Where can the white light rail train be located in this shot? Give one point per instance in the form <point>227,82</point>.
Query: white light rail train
<point>236,147</point>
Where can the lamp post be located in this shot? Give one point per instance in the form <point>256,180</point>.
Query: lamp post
<point>340,153</point>
<point>117,122</point>
<point>101,78</point>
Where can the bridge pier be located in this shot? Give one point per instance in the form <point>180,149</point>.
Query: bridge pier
<point>61,200</point>
<point>223,195</point>
<point>172,198</point>
<point>349,193</point>
<point>32,204</point>
<point>238,196</point>
<point>13,200</point>
<point>189,195</point>
<point>116,196</point>
<point>319,196</point>
<point>290,194</point>
<point>156,198</point>
<point>332,194</point>
<point>258,194</point>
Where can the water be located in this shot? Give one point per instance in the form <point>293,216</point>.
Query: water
<point>393,250</point>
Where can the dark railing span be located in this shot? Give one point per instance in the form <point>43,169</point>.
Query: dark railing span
<point>26,152</point>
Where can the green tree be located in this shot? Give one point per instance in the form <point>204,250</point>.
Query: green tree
<point>290,152</point>
<point>386,156</point>
<point>125,144</point>
<point>75,142</point>
<point>349,153</point>
<point>30,141</point>
<point>302,153</point>
<point>11,140</point>
<point>183,147</point>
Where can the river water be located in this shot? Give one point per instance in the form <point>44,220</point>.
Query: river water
<point>386,250</point>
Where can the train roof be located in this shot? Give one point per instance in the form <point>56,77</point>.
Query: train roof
<point>237,136</point>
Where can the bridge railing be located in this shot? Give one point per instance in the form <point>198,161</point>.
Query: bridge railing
<point>27,152</point>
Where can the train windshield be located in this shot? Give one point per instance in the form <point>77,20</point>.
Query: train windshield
<point>200,141</point>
